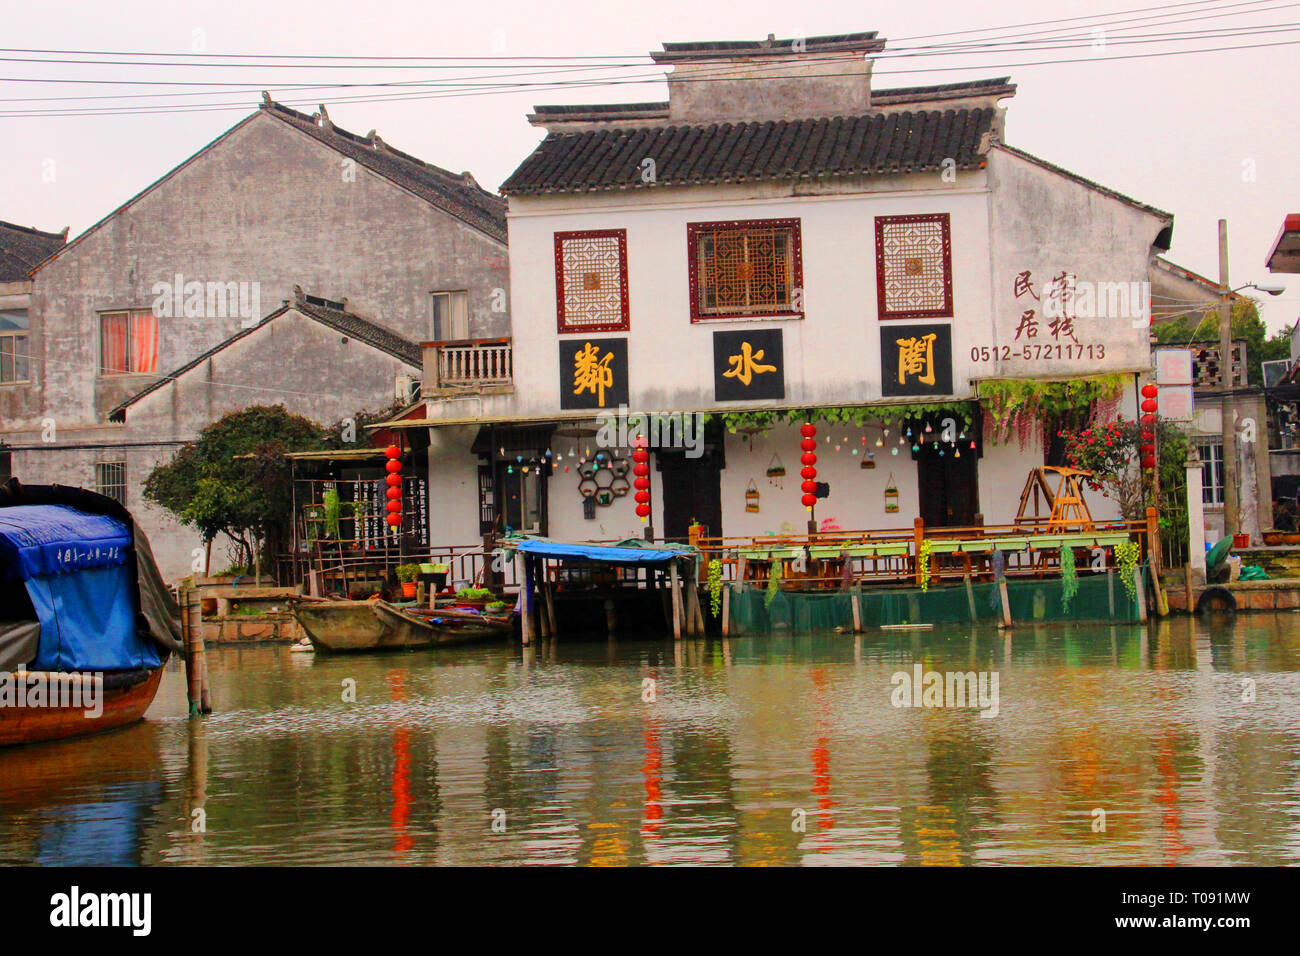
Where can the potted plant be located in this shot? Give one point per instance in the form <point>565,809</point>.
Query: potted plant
<point>406,574</point>
<point>434,575</point>
<point>474,598</point>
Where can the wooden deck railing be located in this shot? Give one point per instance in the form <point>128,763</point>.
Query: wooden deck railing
<point>476,363</point>
<point>833,559</point>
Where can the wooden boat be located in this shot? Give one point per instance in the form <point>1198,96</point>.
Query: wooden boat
<point>426,627</point>
<point>121,697</point>
<point>340,625</point>
<point>86,622</point>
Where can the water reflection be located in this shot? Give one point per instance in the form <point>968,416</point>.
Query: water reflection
<point>1182,735</point>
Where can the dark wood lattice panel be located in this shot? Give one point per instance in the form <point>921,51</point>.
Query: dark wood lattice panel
<point>591,280</point>
<point>914,266</point>
<point>749,268</point>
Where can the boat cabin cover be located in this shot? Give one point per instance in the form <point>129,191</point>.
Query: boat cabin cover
<point>73,572</point>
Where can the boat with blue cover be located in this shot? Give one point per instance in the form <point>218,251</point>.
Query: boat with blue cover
<point>86,622</point>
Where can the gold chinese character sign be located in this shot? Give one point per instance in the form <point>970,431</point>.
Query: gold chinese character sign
<point>916,359</point>
<point>593,373</point>
<point>748,365</point>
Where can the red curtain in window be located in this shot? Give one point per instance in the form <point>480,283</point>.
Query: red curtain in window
<point>144,342</point>
<point>113,346</point>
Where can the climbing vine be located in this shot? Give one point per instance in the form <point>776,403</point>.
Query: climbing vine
<point>773,584</point>
<point>764,420</point>
<point>925,561</point>
<point>1069,578</point>
<point>1023,404</point>
<point>1127,554</point>
<point>715,587</point>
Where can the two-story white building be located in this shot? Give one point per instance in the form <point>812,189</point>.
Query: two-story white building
<point>779,236</point>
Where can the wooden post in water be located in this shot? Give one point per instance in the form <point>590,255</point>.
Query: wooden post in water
<point>525,599</point>
<point>1187,586</point>
<point>726,610</point>
<point>855,601</point>
<point>699,610</point>
<point>1006,601</point>
<point>549,591</point>
<point>1141,594</point>
<point>676,585</point>
<point>1110,588</point>
<point>970,596</point>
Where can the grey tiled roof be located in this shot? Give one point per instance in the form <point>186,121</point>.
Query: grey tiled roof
<point>876,143</point>
<point>23,248</point>
<point>353,326</point>
<point>455,193</point>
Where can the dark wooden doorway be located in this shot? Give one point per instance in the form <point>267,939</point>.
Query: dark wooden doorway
<point>948,487</point>
<point>692,488</point>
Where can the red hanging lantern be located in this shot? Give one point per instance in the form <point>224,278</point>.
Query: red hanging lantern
<point>392,451</point>
<point>394,520</point>
<point>1150,405</point>
<point>1147,450</point>
<point>1149,420</point>
<point>808,459</point>
<point>393,493</point>
<point>394,481</point>
<point>641,455</point>
<point>394,507</point>
<point>1150,391</point>
<point>392,466</point>
<point>1149,463</point>
<point>1148,436</point>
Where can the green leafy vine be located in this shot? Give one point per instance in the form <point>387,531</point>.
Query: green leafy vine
<point>765,419</point>
<point>773,583</point>
<point>1127,554</point>
<point>1011,401</point>
<point>1069,578</point>
<point>925,560</point>
<point>715,587</point>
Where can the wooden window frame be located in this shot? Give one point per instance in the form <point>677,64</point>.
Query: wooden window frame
<point>694,230</point>
<point>946,310</point>
<point>563,326</point>
<point>130,314</point>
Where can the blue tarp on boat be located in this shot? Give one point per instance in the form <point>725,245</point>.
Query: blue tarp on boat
<point>600,553</point>
<point>76,569</point>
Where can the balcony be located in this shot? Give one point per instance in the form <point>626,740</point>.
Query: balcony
<point>468,365</point>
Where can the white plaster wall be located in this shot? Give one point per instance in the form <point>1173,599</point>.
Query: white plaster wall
<point>857,498</point>
<point>453,488</point>
<point>831,355</point>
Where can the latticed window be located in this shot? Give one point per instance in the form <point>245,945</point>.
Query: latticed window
<point>752,268</point>
<point>591,280</point>
<point>913,266</point>
<point>110,480</point>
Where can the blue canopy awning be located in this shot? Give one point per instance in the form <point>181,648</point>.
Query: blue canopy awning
<point>41,540</point>
<point>601,553</point>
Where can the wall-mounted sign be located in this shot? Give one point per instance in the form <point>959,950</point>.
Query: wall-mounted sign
<point>748,365</point>
<point>916,360</point>
<point>593,373</point>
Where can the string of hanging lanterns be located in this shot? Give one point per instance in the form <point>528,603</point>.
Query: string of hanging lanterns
<point>809,461</point>
<point>394,481</point>
<point>641,473</point>
<point>1150,407</point>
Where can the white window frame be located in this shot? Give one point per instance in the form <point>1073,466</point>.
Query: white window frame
<point>452,298</point>
<point>110,480</point>
<point>1211,455</point>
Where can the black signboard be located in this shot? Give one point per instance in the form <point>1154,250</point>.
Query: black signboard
<point>748,365</point>
<point>915,359</point>
<point>593,373</point>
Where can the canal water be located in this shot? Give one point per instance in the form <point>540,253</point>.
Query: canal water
<point>1174,744</point>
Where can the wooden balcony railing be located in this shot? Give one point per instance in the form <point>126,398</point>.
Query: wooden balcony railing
<point>470,364</point>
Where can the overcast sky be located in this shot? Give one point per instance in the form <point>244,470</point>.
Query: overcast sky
<point>1202,135</point>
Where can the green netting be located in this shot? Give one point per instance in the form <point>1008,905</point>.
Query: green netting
<point>1100,597</point>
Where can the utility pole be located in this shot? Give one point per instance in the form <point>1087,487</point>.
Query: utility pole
<point>1227,382</point>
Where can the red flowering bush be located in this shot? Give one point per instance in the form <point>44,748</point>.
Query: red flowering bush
<point>1110,451</point>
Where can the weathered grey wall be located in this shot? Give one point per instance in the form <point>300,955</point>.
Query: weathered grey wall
<point>265,204</point>
<point>293,361</point>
